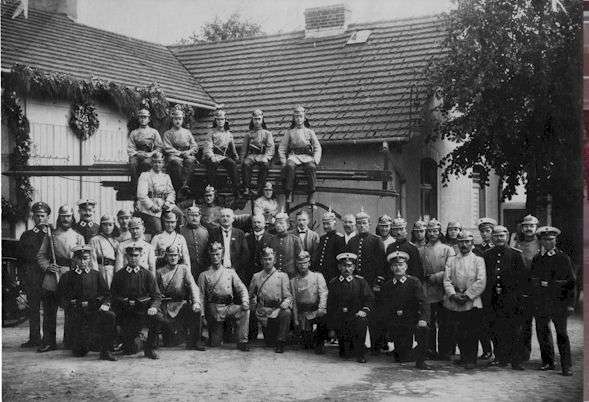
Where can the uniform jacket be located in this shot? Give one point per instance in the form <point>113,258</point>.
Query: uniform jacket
<point>258,145</point>
<point>465,274</point>
<point>481,248</point>
<point>434,258</point>
<point>403,301</point>
<point>161,241</point>
<point>558,292</point>
<point>29,245</point>
<point>179,285</point>
<point>330,245</point>
<point>154,189</point>
<point>83,285</point>
<point>255,248</point>
<point>310,240</point>
<point>507,279</point>
<point>286,247</point>
<point>371,256</point>
<point>268,291</point>
<point>143,139</point>
<point>197,239</point>
<point>63,242</point>
<point>307,291</point>
<point>135,285</point>
<point>299,145</point>
<point>414,265</point>
<point>219,145</point>
<point>529,250</point>
<point>345,298</point>
<point>123,235</point>
<point>218,284</point>
<point>105,250</point>
<point>176,141</point>
<point>238,249</point>
<point>87,229</point>
<point>146,259</point>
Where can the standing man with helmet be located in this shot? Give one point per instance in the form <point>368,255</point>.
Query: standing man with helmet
<point>486,226</point>
<point>383,229</point>
<point>507,281</point>
<point>197,238</point>
<point>31,272</point>
<point>180,149</point>
<point>399,232</point>
<point>286,246</point>
<point>143,142</point>
<point>553,294</point>
<point>330,245</point>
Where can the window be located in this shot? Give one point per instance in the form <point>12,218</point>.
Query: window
<point>479,193</point>
<point>429,188</point>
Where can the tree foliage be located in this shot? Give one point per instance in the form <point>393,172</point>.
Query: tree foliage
<point>234,27</point>
<point>510,84</point>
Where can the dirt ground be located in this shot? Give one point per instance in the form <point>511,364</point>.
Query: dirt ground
<point>227,374</point>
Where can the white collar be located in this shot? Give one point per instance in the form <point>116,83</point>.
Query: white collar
<point>349,278</point>
<point>550,253</point>
<point>79,270</point>
<point>136,269</point>
<point>37,230</point>
<point>402,280</point>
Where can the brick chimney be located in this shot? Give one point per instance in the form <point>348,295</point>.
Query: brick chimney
<point>326,21</point>
<point>67,7</point>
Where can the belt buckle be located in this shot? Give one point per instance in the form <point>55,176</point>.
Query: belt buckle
<point>344,309</point>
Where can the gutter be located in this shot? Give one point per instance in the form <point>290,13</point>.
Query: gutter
<point>183,102</point>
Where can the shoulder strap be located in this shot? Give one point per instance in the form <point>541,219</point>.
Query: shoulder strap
<point>264,282</point>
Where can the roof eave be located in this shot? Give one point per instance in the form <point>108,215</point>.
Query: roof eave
<point>399,139</point>
<point>195,104</point>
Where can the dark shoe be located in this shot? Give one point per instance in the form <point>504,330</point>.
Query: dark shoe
<point>517,367</point>
<point>117,347</point>
<point>31,344</point>
<point>243,346</point>
<point>444,358</point>
<point>459,362</point>
<point>151,354</point>
<point>279,347</point>
<point>567,372</point>
<point>486,356</point>
<point>375,352</point>
<point>107,356</point>
<point>361,359</point>
<point>546,367</point>
<point>199,347</point>
<point>496,363</point>
<point>46,348</point>
<point>469,366</point>
<point>422,366</point>
<point>320,349</point>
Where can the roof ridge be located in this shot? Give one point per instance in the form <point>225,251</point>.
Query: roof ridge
<point>355,25</point>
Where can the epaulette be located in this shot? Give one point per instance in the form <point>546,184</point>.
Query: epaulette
<point>339,234</point>
<point>516,249</point>
<point>358,276</point>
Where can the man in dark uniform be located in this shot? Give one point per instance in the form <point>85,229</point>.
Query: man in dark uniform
<point>349,301</point>
<point>30,271</point>
<point>197,238</point>
<point>399,232</point>
<point>135,297</point>
<point>257,240</point>
<point>486,226</point>
<point>86,226</point>
<point>84,292</point>
<point>553,295</point>
<point>506,283</point>
<point>330,245</point>
<point>403,305</point>
<point>369,250</point>
<point>209,210</point>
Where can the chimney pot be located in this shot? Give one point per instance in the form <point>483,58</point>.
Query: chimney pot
<point>326,21</point>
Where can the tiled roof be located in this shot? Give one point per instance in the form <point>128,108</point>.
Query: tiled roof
<point>353,92</point>
<point>53,42</point>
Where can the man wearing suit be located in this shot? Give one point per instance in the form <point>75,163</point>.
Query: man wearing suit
<point>309,238</point>
<point>236,252</point>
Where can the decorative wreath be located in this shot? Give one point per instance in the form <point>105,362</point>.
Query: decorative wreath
<point>84,120</point>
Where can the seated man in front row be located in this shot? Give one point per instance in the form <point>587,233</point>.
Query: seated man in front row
<point>403,308</point>
<point>85,294</point>
<point>180,299</point>
<point>223,295</point>
<point>349,301</point>
<point>136,298</point>
<point>271,301</point>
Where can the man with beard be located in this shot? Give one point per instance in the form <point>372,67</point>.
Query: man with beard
<point>349,301</point>
<point>530,247</point>
<point>286,245</point>
<point>84,293</point>
<point>507,280</point>
<point>464,282</point>
<point>271,300</point>
<point>86,227</point>
<point>30,272</point>
<point>399,232</point>
<point>54,257</point>
<point>197,238</point>
<point>181,301</point>
<point>403,306</point>
<point>330,245</point>
<point>180,149</point>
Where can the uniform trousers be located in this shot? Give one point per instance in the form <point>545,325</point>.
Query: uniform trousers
<point>315,338</point>
<point>34,294</point>
<point>132,321</point>
<point>190,321</point>
<point>289,176</point>
<point>86,323</point>
<point>351,335</point>
<point>544,334</point>
<point>485,331</point>
<point>528,317</point>
<point>506,326</point>
<point>138,164</point>
<point>180,169</point>
<point>234,312</point>
<point>378,330</point>
<point>466,328</point>
<point>246,172</point>
<point>229,165</point>
<point>440,340</point>
<point>276,329</point>
<point>50,306</point>
<point>402,336</point>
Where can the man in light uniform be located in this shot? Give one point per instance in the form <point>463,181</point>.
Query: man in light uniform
<point>146,252</point>
<point>143,142</point>
<point>257,149</point>
<point>180,148</point>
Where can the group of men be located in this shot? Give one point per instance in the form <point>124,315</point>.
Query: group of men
<point>298,147</point>
<point>365,290</point>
